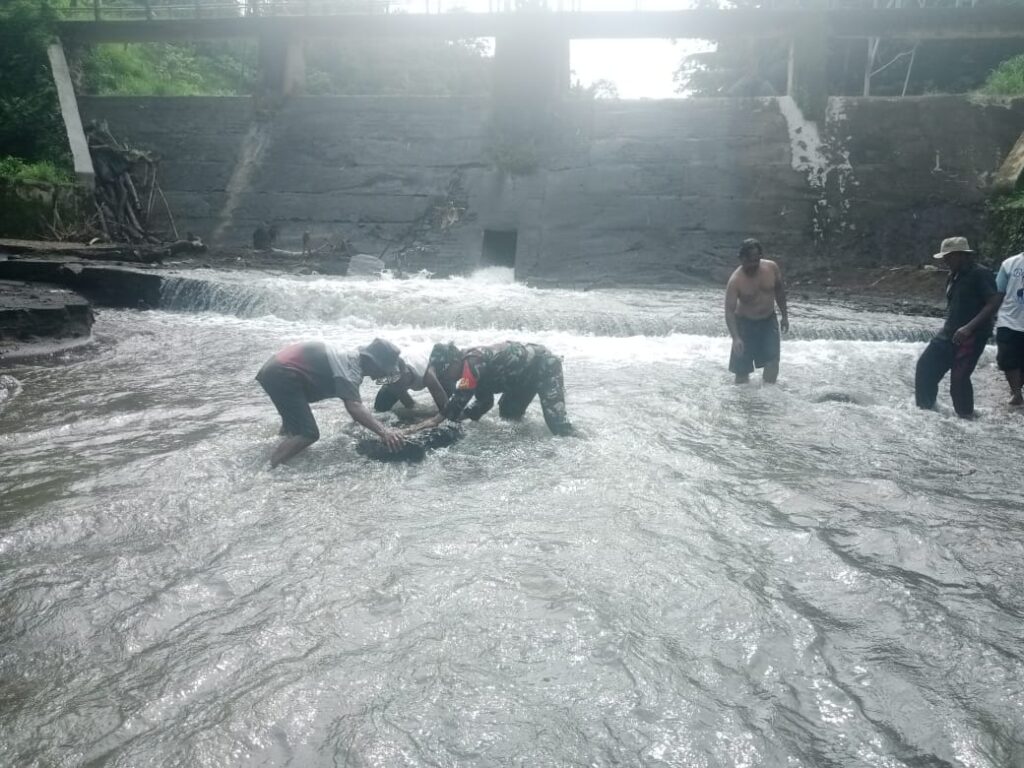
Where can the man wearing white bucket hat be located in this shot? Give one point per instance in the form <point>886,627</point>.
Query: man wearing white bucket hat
<point>972,301</point>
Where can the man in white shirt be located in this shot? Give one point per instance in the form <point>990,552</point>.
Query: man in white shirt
<point>1010,325</point>
<point>308,372</point>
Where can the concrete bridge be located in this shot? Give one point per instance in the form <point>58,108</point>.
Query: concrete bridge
<point>615,188</point>
<point>532,48</point>
<point>296,19</point>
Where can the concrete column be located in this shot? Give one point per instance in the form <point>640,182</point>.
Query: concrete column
<point>808,73</point>
<point>72,119</point>
<point>531,76</point>
<point>282,62</point>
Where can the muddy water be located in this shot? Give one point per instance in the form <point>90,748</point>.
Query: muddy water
<point>815,574</point>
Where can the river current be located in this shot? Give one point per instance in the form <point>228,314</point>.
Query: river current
<point>810,575</point>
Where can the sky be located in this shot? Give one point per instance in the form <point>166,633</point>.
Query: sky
<point>640,69</point>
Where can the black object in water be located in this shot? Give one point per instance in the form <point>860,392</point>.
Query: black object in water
<point>415,447</point>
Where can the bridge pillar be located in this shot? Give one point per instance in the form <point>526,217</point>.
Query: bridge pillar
<point>531,77</point>
<point>282,63</point>
<point>77,140</point>
<point>808,73</point>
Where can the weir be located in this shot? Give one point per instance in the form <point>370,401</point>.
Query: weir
<point>646,192</point>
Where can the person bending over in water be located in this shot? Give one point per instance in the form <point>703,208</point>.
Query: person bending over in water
<point>305,373</point>
<point>518,371</point>
<point>416,375</point>
<point>750,298</point>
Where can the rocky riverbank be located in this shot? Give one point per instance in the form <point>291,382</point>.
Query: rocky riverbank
<point>39,318</point>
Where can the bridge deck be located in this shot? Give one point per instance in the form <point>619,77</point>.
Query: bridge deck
<point>992,22</point>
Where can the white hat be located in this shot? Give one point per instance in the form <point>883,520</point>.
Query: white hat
<point>953,245</point>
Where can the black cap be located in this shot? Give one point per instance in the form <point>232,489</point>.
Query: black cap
<point>384,354</point>
<point>443,355</point>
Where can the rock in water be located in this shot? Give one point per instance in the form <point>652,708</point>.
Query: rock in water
<point>415,447</point>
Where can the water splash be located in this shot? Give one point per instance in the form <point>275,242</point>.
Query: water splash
<point>250,156</point>
<point>10,388</point>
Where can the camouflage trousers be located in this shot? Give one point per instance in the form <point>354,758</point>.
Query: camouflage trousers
<point>543,378</point>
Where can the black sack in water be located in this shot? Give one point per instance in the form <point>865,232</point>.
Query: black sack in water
<point>415,447</point>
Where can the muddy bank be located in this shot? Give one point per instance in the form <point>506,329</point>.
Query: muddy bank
<point>38,318</point>
<point>904,290</point>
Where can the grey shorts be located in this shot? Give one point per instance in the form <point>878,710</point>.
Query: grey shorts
<point>287,392</point>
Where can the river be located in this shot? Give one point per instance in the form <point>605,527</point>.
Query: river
<point>813,574</point>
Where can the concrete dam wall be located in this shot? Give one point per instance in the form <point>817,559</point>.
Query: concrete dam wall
<point>641,192</point>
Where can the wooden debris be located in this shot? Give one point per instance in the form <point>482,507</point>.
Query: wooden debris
<point>126,184</point>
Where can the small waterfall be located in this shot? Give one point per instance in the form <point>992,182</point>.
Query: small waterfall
<point>488,301</point>
<point>254,147</point>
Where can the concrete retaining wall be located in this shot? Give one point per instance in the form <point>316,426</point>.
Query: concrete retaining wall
<point>627,191</point>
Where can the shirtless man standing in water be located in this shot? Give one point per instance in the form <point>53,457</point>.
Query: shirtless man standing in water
<point>750,298</point>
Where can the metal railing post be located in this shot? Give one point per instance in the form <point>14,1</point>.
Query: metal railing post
<point>96,9</point>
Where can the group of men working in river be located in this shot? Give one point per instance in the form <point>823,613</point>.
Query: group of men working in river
<point>305,373</point>
<point>463,383</point>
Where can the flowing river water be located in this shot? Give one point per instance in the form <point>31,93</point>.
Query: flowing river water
<point>813,574</point>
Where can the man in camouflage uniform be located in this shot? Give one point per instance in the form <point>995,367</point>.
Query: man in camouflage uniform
<point>519,372</point>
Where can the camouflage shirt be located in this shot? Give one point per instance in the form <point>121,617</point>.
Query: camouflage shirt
<point>487,371</point>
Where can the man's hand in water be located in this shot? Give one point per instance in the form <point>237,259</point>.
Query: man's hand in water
<point>428,424</point>
<point>392,439</point>
<point>737,347</point>
<point>784,324</point>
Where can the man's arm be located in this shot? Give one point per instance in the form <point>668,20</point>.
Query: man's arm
<point>482,404</point>
<point>1002,279</point>
<point>436,390</point>
<point>991,307</point>
<point>362,416</point>
<point>780,299</point>
<point>406,399</point>
<point>732,298</point>
<point>986,285</point>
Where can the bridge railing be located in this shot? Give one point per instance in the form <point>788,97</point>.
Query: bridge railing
<point>134,10</point>
<point>100,10</point>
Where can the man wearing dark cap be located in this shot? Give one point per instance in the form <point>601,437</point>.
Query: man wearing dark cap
<point>308,372</point>
<point>519,372</point>
<point>415,375</point>
<point>972,300</point>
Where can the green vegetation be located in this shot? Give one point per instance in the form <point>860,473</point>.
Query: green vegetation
<point>166,69</point>
<point>1007,79</point>
<point>16,170</point>
<point>1004,230</point>
<point>30,123</point>
<point>759,67</point>
<point>398,67</point>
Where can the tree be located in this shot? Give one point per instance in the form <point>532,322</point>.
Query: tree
<point>30,122</point>
<point>741,67</point>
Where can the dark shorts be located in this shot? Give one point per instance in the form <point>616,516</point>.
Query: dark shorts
<point>761,344</point>
<point>1009,349</point>
<point>287,391</point>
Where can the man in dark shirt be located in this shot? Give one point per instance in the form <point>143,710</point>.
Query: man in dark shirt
<point>972,301</point>
<point>305,373</point>
<point>520,372</point>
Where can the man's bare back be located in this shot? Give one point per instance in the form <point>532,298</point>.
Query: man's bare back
<point>755,294</point>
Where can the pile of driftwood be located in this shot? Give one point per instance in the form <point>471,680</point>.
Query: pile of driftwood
<point>127,190</point>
